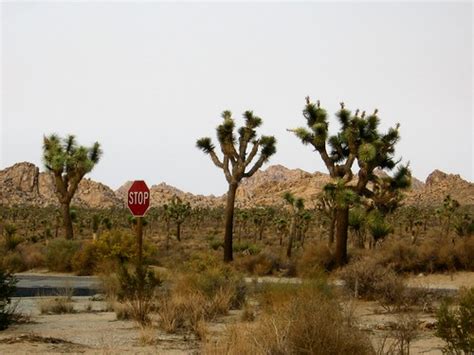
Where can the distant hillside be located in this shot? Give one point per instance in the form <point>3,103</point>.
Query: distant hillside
<point>22,183</point>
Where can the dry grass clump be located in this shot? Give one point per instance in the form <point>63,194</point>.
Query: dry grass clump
<point>199,296</point>
<point>316,257</point>
<point>367,279</point>
<point>63,303</point>
<point>58,305</point>
<point>433,254</point>
<point>304,320</point>
<point>261,264</point>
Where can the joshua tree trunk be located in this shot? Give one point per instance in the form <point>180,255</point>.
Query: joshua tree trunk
<point>178,231</point>
<point>290,237</point>
<point>332,225</point>
<point>229,221</point>
<point>68,231</point>
<point>342,224</point>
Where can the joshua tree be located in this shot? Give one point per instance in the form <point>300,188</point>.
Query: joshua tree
<point>358,140</point>
<point>260,218</point>
<point>236,160</point>
<point>281,227</point>
<point>447,212</point>
<point>325,205</point>
<point>297,207</point>
<point>178,211</point>
<point>69,163</point>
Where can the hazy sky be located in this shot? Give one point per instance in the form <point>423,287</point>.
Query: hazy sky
<point>147,79</point>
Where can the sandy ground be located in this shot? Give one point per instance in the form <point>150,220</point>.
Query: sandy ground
<point>454,280</point>
<point>91,330</point>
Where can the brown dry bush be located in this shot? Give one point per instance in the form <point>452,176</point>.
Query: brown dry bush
<point>316,257</point>
<point>432,254</point>
<point>203,294</point>
<point>13,261</point>
<point>33,255</point>
<point>57,305</point>
<point>304,320</point>
<point>368,279</point>
<point>261,264</point>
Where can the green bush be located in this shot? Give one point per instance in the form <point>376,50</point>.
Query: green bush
<point>216,244</point>
<point>137,290</point>
<point>456,324</point>
<point>7,290</point>
<point>208,275</point>
<point>60,253</point>
<point>85,260</point>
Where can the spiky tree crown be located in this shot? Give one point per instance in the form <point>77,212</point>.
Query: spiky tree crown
<point>359,139</point>
<point>64,156</point>
<point>236,159</point>
<point>69,162</point>
<point>177,209</point>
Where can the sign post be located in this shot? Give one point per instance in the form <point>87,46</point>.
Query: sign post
<point>138,201</point>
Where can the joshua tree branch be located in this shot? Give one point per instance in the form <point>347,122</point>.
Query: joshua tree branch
<point>216,160</point>
<point>258,165</point>
<point>227,173</point>
<point>252,154</point>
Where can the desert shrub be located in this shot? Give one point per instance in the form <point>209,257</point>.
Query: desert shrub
<point>305,320</point>
<point>7,290</point>
<point>400,255</point>
<point>433,254</point>
<point>464,251</point>
<point>456,324</point>
<point>205,289</point>
<point>245,247</point>
<point>58,305</point>
<point>14,262</point>
<point>122,311</point>
<point>32,255</point>
<point>115,247</point>
<point>59,254</point>
<point>85,259</point>
<point>11,240</point>
<point>216,244</point>
<point>262,264</point>
<point>316,257</point>
<point>137,291</point>
<point>214,280</point>
<point>367,279</point>
<point>181,311</point>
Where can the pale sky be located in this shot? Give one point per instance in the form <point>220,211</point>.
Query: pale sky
<point>147,79</point>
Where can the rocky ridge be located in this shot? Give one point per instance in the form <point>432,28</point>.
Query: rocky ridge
<point>22,183</point>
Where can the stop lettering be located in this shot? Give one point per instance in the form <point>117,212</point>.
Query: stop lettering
<point>138,198</point>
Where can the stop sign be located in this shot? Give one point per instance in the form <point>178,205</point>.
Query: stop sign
<point>138,198</point>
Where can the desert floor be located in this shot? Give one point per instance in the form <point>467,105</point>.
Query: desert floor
<point>93,330</point>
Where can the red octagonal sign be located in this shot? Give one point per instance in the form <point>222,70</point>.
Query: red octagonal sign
<point>138,198</point>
